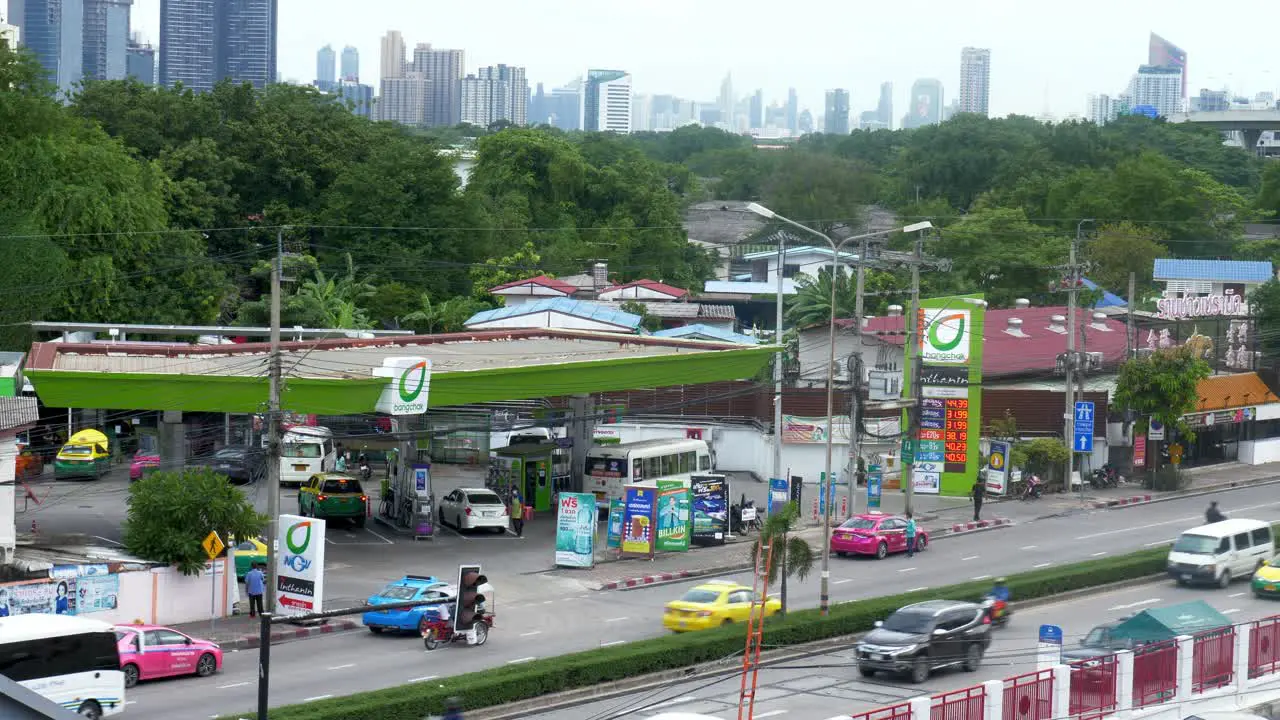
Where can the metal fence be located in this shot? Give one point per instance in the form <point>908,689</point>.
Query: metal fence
<point>964,704</point>
<point>1155,673</point>
<point>1093,687</point>
<point>1029,696</point>
<point>1264,647</point>
<point>901,711</point>
<point>1213,662</point>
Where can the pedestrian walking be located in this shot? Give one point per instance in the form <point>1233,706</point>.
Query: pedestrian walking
<point>255,585</point>
<point>517,513</point>
<point>978,494</point>
<point>911,535</point>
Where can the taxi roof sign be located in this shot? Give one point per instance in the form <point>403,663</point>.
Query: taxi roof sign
<point>212,545</point>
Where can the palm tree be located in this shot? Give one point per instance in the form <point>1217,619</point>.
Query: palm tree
<point>791,555</point>
<point>337,299</point>
<point>812,302</point>
<point>447,316</point>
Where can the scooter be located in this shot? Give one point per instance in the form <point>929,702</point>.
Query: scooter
<point>1033,489</point>
<point>998,611</point>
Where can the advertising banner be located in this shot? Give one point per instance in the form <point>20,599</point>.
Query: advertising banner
<point>997,479</point>
<point>576,530</point>
<point>1139,452</point>
<point>637,525</point>
<point>97,593</point>
<point>300,566</point>
<point>875,484</point>
<point>710,509</point>
<point>616,513</point>
<point>814,430</point>
<point>779,494</point>
<point>56,596</point>
<point>673,516</point>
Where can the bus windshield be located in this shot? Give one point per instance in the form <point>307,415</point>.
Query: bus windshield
<point>606,467</point>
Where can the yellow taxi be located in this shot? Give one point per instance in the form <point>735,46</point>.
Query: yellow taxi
<point>1266,581</point>
<point>719,602</point>
<point>249,552</point>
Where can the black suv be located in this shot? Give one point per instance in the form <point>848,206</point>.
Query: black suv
<point>924,637</point>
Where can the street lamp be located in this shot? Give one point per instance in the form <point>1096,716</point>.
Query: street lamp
<point>764,212</point>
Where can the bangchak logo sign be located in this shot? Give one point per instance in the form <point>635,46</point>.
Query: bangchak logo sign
<point>300,567</point>
<point>408,387</point>
<point>945,336</point>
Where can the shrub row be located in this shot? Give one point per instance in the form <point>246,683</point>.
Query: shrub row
<point>498,686</point>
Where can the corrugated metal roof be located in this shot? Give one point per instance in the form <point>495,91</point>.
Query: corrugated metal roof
<point>540,281</point>
<point>1109,299</point>
<point>699,331</point>
<point>16,412</point>
<point>1241,271</point>
<point>731,287</point>
<point>576,308</point>
<point>801,250</point>
<point>681,310</point>
<point>653,285</point>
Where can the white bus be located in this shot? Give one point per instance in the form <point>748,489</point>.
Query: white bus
<point>609,467</point>
<point>305,451</point>
<point>71,661</point>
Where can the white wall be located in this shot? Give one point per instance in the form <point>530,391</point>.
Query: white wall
<point>547,319</point>
<point>635,292</point>
<point>8,465</point>
<point>811,263</point>
<point>1259,452</point>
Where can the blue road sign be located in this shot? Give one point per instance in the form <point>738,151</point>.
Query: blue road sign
<point>1051,634</point>
<point>1082,440</point>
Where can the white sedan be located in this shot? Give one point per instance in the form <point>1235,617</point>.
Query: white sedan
<point>471,508</point>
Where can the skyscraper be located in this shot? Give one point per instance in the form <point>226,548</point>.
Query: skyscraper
<point>205,41</point>
<point>247,41</point>
<point>326,67</point>
<point>350,65</point>
<point>975,81</point>
<point>884,109</point>
<point>793,111</point>
<point>106,39</point>
<point>140,62</point>
<point>1102,109</point>
<point>404,99</point>
<point>9,34</point>
<point>1161,52</point>
<point>392,55</point>
<point>925,107</point>
<point>187,43</point>
<point>564,106</point>
<point>1156,89</point>
<point>357,97</point>
<point>836,119</point>
<point>757,110</point>
<point>727,101</point>
<point>443,70</point>
<point>606,101</point>
<point>54,31</point>
<point>539,110</point>
<point>495,93</point>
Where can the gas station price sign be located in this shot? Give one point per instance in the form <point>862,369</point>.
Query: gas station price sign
<point>955,433</point>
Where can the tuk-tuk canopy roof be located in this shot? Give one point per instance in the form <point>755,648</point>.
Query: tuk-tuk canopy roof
<point>88,437</point>
<point>1164,623</point>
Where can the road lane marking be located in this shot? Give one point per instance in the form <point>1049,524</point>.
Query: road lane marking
<point>1140,603</point>
<point>135,702</point>
<point>1099,554</point>
<point>907,569</point>
<point>232,685</point>
<point>1235,594</point>
<point>1028,547</point>
<point>771,713</point>
<point>971,557</point>
<point>343,667</point>
<point>318,697</point>
<point>547,602</point>
<point>617,619</point>
<point>982,577</point>
<point>1232,610</point>
<point>531,633</point>
<point>919,589</point>
<point>521,660</point>
<point>1158,542</point>
<point>1138,527</point>
<point>612,642</point>
<point>1041,565</point>
<point>841,582</point>
<point>424,679</point>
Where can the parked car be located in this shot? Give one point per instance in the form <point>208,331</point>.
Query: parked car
<point>147,457</point>
<point>148,652</point>
<point>921,638</point>
<point>471,508</point>
<point>249,553</point>
<point>875,534</point>
<point>410,587</point>
<point>333,496</point>
<point>1153,625</point>
<point>242,464</point>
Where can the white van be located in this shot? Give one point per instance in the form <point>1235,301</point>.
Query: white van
<point>305,451</point>
<point>1220,552</point>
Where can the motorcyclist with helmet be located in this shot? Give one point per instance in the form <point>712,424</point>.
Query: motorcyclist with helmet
<point>997,602</point>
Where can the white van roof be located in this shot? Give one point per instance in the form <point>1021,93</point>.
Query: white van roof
<point>308,431</point>
<point>1229,527</point>
<point>40,626</point>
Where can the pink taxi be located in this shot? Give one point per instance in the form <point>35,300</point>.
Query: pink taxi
<point>148,652</point>
<point>875,534</point>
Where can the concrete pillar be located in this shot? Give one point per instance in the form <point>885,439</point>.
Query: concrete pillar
<point>173,441</point>
<point>1186,667</point>
<point>580,427</point>
<point>993,700</point>
<point>1240,679</point>
<point>921,707</point>
<point>1124,681</point>
<point>1061,691</point>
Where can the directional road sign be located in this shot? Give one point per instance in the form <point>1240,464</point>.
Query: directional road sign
<point>1082,440</point>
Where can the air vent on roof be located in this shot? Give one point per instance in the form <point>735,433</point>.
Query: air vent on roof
<point>1100,322</point>
<point>895,311</point>
<point>1022,303</point>
<point>1058,324</point>
<point>1015,328</point>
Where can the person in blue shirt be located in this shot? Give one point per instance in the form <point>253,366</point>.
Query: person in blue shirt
<point>911,535</point>
<point>255,586</point>
<point>1000,591</point>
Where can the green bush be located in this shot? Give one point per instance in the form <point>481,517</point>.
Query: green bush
<point>488,688</point>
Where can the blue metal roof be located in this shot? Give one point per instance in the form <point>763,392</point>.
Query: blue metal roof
<point>1108,299</point>
<point>576,308</point>
<point>706,332</point>
<point>1240,271</point>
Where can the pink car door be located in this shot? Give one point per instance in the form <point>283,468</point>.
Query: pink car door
<point>172,650</point>
<point>895,531</point>
<point>152,662</point>
<point>130,648</point>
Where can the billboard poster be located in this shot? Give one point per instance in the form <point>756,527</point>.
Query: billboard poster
<point>637,524</point>
<point>673,516</point>
<point>814,430</point>
<point>1139,452</point>
<point>710,509</point>
<point>300,566</point>
<point>56,596</point>
<point>97,593</point>
<point>616,513</point>
<point>576,530</point>
<point>779,494</point>
<point>949,347</point>
<point>997,479</point>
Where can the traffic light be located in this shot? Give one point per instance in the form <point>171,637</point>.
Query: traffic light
<point>469,582</point>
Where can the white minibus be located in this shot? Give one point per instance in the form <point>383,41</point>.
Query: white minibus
<point>71,661</point>
<point>305,451</point>
<point>610,467</point>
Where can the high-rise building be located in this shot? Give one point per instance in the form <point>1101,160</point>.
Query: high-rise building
<point>884,108</point>
<point>975,81</point>
<point>392,55</point>
<point>793,111</point>
<point>1156,89</point>
<point>495,93</point>
<point>1161,52</point>
<point>564,106</point>
<point>404,99</point>
<point>1102,109</point>
<point>106,39</point>
<point>836,119</point>
<point>539,112</point>
<point>9,34</point>
<point>54,31</point>
<point>727,102</point>
<point>606,101</point>
<point>1216,101</point>
<point>443,70</point>
<point>756,121</point>
<point>641,113</point>
<point>804,124</point>
<point>205,41</point>
<point>358,98</point>
<point>140,62</point>
<point>925,107</point>
<point>350,72</point>
<point>326,68</point>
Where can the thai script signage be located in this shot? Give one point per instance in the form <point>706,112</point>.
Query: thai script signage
<point>1207,306</point>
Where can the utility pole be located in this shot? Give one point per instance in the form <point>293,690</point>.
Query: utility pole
<point>778,361</point>
<point>855,376</point>
<point>1068,414</point>
<point>1131,332</point>
<point>913,352</point>
<point>273,427</point>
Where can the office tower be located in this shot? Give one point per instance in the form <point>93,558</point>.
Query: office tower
<point>565,106</point>
<point>835,120</point>
<point>326,68</point>
<point>1102,109</point>
<point>443,70</point>
<point>350,65</point>
<point>1217,101</point>
<point>404,99</point>
<point>793,111</point>
<point>357,98</point>
<point>975,81</point>
<point>54,31</point>
<point>106,39</point>
<point>539,107</point>
<point>187,43</point>
<point>140,62</point>
<point>726,102</point>
<point>667,112</point>
<point>1156,90</point>
<point>884,109</point>
<point>606,101</point>
<point>205,41</point>
<point>925,107</point>
<point>756,120</point>
<point>392,55</point>
<point>247,41</point>
<point>641,113</point>
<point>493,94</point>
<point>1161,52</point>
<point>804,124</point>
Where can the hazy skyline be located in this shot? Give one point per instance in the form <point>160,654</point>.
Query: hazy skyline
<point>1041,56</point>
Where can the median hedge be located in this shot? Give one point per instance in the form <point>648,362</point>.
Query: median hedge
<point>500,685</point>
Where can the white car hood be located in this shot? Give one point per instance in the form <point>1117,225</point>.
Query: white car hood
<point>1191,558</point>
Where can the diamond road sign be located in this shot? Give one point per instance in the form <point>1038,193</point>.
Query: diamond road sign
<point>1082,435</point>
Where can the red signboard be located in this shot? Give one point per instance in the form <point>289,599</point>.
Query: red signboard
<point>956,435</point>
<point>1139,451</point>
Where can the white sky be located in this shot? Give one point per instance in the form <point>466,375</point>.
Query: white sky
<point>685,47</point>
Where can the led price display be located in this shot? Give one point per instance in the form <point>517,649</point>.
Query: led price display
<point>956,435</point>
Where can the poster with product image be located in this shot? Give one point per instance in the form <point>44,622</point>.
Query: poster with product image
<point>637,524</point>
<point>673,516</point>
<point>576,530</point>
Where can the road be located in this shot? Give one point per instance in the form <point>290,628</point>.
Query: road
<point>533,622</point>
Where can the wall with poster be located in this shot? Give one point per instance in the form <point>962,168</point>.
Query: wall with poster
<point>949,346</point>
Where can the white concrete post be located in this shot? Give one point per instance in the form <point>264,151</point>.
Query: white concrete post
<point>993,700</point>
<point>1124,681</point>
<point>1061,691</point>
<point>1186,667</point>
<point>1240,680</point>
<point>921,707</point>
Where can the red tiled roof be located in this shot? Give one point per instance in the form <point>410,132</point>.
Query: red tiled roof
<point>541,280</point>
<point>1004,354</point>
<point>653,285</point>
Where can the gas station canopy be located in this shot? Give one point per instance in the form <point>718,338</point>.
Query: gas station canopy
<point>336,376</point>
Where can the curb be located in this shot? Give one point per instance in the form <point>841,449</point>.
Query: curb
<point>667,578</point>
<point>1122,502</point>
<point>251,642</point>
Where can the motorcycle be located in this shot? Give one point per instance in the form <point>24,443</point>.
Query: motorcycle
<point>998,611</point>
<point>1033,489</point>
<point>440,632</point>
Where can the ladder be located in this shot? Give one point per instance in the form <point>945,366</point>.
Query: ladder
<point>755,630</point>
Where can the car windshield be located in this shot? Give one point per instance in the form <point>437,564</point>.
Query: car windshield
<point>858,524</point>
<point>341,485</point>
<point>121,635</point>
<point>483,499</point>
<point>1100,637</point>
<point>701,595</point>
<point>77,450</point>
<point>398,592</point>
<point>229,454</point>
<point>302,450</point>
<point>909,622</point>
<point>148,445</point>
<point>1195,544</point>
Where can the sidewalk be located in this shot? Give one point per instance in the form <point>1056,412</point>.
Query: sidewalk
<point>240,632</point>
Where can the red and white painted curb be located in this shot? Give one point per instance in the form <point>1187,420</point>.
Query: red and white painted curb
<point>1121,502</point>
<point>294,633</point>
<point>979,525</point>
<point>650,579</point>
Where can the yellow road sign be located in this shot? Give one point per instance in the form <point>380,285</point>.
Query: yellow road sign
<point>212,545</point>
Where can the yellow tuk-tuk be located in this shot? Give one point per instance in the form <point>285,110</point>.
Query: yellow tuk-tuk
<point>85,455</point>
